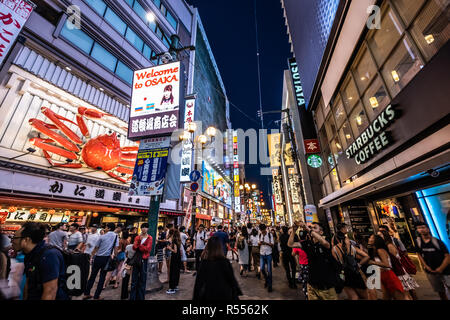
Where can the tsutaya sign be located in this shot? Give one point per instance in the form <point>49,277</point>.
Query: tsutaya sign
<point>155,101</point>
<point>299,97</point>
<point>374,138</point>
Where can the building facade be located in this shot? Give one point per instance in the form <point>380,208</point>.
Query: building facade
<point>60,66</point>
<point>380,108</point>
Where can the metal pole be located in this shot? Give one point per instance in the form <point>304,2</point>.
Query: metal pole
<point>153,284</point>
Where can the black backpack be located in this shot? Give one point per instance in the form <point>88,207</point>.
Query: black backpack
<point>348,261</point>
<point>241,244</point>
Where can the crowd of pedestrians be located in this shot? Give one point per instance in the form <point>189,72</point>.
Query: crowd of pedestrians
<point>322,267</point>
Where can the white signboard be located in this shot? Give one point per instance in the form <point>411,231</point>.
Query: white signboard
<point>56,188</point>
<point>40,216</point>
<point>155,101</point>
<point>13,15</point>
<point>186,152</point>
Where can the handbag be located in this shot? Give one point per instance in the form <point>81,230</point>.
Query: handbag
<point>112,263</point>
<point>396,265</point>
<point>136,260</point>
<point>407,264</point>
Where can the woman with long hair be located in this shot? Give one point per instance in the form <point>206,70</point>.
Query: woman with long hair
<point>408,282</point>
<point>254,242</point>
<point>379,255</point>
<point>275,250</point>
<point>175,260</point>
<point>215,278</point>
<point>347,255</point>
<point>242,248</point>
<point>168,97</point>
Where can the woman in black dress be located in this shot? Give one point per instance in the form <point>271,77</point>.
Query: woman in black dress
<point>215,278</point>
<point>175,261</point>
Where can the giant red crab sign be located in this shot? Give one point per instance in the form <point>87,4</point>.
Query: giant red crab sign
<point>101,153</point>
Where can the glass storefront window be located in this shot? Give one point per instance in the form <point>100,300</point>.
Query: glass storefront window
<point>339,112</point>
<point>336,148</point>
<point>330,128</point>
<point>358,120</point>
<point>335,180</point>
<point>408,9</point>
<point>431,29</point>
<point>401,67</point>
<point>319,114</point>
<point>375,99</point>
<point>327,182</point>
<point>383,40</point>
<point>350,94</point>
<point>345,133</point>
<point>365,70</point>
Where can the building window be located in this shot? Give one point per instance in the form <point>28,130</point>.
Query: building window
<point>358,120</point>
<point>173,22</point>
<point>431,29</point>
<point>350,95</point>
<point>383,40</point>
<point>335,180</point>
<point>157,3</point>
<point>97,5</point>
<point>339,112</point>
<point>401,67</point>
<point>365,70</point>
<point>327,183</point>
<point>336,149</point>
<point>330,128</point>
<point>104,57</point>
<point>115,21</point>
<point>78,38</point>
<point>375,99</point>
<point>135,40</point>
<point>408,9</point>
<point>147,52</point>
<point>345,133</point>
<point>140,11</point>
<point>124,72</point>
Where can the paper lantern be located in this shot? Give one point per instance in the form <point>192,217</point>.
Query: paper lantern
<point>95,214</point>
<point>12,209</point>
<point>33,211</point>
<point>51,211</point>
<point>80,214</point>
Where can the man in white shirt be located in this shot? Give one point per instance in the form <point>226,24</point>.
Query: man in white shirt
<point>183,237</point>
<point>92,239</point>
<point>266,243</point>
<point>200,239</point>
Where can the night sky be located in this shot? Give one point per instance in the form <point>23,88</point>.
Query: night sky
<point>230,28</point>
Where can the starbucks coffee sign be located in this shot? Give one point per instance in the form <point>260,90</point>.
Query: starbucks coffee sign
<point>374,138</point>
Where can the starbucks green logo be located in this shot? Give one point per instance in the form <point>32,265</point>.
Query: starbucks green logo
<point>314,161</point>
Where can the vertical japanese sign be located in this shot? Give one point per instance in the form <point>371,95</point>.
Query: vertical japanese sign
<point>13,15</point>
<point>274,141</point>
<point>155,101</point>
<point>150,169</point>
<point>293,184</point>
<point>237,196</point>
<point>186,150</point>
<point>187,220</point>
<point>276,185</point>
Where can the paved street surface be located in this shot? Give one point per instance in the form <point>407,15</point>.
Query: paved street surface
<point>252,288</point>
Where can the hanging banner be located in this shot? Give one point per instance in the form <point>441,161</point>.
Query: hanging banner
<point>155,101</point>
<point>13,16</point>
<point>186,152</point>
<point>293,185</point>
<point>187,220</point>
<point>237,196</point>
<point>274,141</point>
<point>150,169</point>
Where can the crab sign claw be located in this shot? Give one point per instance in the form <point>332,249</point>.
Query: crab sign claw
<point>90,113</point>
<point>41,143</point>
<point>56,119</point>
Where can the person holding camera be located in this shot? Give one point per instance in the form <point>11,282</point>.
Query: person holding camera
<point>322,277</point>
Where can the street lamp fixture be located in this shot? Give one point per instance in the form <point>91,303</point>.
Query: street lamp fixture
<point>192,126</point>
<point>253,186</point>
<point>202,139</point>
<point>211,131</point>
<point>241,187</point>
<point>185,136</point>
<point>247,186</point>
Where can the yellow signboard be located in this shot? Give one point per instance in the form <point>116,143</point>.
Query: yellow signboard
<point>274,141</point>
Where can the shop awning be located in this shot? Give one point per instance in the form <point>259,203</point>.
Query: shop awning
<point>172,213</point>
<point>202,216</point>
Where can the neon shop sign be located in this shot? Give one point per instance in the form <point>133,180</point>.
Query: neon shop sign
<point>374,138</point>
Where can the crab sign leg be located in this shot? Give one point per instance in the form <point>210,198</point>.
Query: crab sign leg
<point>129,156</point>
<point>63,165</point>
<point>41,143</point>
<point>45,128</point>
<point>116,177</point>
<point>126,163</point>
<point>124,170</point>
<point>56,119</point>
<point>129,149</point>
<point>90,113</point>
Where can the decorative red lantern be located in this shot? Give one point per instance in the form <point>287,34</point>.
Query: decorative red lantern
<point>51,211</point>
<point>33,211</point>
<point>12,209</point>
<point>95,214</point>
<point>80,214</point>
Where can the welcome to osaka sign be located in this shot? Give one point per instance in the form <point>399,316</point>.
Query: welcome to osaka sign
<point>155,101</point>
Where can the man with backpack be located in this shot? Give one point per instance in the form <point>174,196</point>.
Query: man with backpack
<point>433,254</point>
<point>223,238</point>
<point>266,243</point>
<point>45,268</point>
